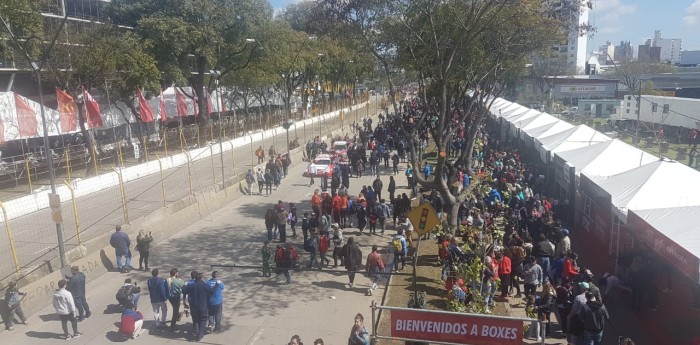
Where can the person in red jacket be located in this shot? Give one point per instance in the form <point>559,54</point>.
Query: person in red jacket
<point>504,271</point>
<point>570,268</point>
<point>131,322</point>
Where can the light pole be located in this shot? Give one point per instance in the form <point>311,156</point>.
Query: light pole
<point>217,74</point>
<point>54,201</point>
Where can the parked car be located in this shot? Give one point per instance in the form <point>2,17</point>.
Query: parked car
<point>323,165</point>
<point>339,148</point>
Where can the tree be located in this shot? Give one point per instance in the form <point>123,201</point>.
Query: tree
<point>629,72</point>
<point>189,38</point>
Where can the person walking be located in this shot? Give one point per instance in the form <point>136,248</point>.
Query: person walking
<point>267,257</point>
<point>377,185</point>
<point>337,238</point>
<point>532,276</point>
<point>215,302</point>
<point>383,212</point>
<point>594,315</point>
<point>400,247</point>
<point>131,322</point>
<point>292,219</point>
<point>250,180</point>
<point>375,267</point>
<point>352,258</point>
<point>76,286</point>
<point>284,261</point>
<point>260,176</point>
<point>175,285</point>
<point>121,243</point>
<point>13,301</point>
<point>143,246</point>
<point>270,221</point>
<point>64,306</point>
<point>504,272</point>
<point>198,293</point>
<point>314,247</point>
<point>358,333</point>
<point>159,293</point>
<point>282,225</point>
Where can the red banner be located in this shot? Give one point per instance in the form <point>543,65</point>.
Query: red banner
<point>455,328</point>
<point>144,109</point>
<point>93,110</point>
<point>181,103</point>
<point>26,118</point>
<point>67,111</point>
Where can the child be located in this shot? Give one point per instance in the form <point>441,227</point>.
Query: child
<point>373,221</point>
<point>267,255</point>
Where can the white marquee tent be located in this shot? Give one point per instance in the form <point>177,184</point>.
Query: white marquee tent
<point>606,158</point>
<point>577,137</point>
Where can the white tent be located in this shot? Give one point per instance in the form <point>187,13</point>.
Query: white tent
<point>662,184</point>
<point>550,129</point>
<point>498,105</point>
<point>673,234</point>
<point>520,114</point>
<point>8,116</point>
<point>579,136</point>
<point>606,158</point>
<point>539,121</point>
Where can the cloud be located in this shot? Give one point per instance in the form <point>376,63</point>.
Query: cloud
<point>609,14</point>
<point>692,14</point>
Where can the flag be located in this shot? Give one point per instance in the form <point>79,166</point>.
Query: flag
<point>93,110</point>
<point>67,111</point>
<point>144,109</point>
<point>26,118</point>
<point>181,103</point>
<point>163,115</point>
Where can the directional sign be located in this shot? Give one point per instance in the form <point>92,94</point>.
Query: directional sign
<point>423,218</point>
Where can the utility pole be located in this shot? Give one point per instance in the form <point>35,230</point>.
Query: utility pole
<point>639,110</point>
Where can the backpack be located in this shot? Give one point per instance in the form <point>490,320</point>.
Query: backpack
<point>398,246</point>
<point>288,256</point>
<point>249,178</point>
<point>124,294</point>
<point>323,245</point>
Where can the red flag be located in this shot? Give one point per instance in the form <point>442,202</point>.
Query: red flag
<point>67,111</point>
<point>181,103</point>
<point>26,118</point>
<point>93,110</point>
<point>163,115</point>
<point>145,109</point>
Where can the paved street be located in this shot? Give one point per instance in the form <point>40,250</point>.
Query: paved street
<point>257,310</point>
<point>35,234</point>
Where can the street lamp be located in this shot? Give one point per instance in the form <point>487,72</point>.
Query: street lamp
<point>217,74</point>
<point>286,125</point>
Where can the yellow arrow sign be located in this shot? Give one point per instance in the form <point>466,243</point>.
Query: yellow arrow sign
<point>423,218</point>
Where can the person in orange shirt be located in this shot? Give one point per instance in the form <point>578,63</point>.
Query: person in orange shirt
<point>316,203</point>
<point>504,271</point>
<point>336,204</point>
<point>343,210</point>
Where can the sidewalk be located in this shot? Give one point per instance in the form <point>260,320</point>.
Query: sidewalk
<point>257,310</point>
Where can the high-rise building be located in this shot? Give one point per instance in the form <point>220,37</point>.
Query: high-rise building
<point>575,47</point>
<point>624,51</point>
<point>606,53</point>
<point>648,53</point>
<point>670,48</point>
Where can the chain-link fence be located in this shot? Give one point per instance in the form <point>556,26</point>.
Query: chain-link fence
<point>106,186</point>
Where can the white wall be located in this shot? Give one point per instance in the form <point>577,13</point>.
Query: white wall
<point>683,112</point>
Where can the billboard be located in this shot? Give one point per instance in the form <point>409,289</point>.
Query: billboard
<point>574,89</point>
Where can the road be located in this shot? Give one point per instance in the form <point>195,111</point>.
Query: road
<point>257,310</point>
<point>35,235</point>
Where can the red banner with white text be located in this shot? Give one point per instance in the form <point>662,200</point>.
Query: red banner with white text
<point>455,328</point>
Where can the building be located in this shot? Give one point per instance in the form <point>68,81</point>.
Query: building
<point>662,110</point>
<point>576,46</point>
<point>606,53</point>
<point>649,53</point>
<point>670,48</point>
<point>624,52</point>
<point>690,58</point>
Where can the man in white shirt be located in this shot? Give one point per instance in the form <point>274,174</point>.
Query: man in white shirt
<point>65,308</point>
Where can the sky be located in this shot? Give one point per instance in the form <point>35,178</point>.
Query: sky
<point>633,20</point>
<point>636,20</point>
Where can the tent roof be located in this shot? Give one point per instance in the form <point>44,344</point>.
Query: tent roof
<point>606,158</point>
<point>514,108</point>
<point>541,120</point>
<point>526,120</point>
<point>662,184</point>
<point>573,138</point>
<point>680,224</point>
<point>521,115</point>
<point>550,129</point>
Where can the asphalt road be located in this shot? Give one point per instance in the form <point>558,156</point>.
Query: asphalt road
<point>35,235</point>
<point>257,310</point>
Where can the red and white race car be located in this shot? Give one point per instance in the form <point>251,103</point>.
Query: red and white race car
<point>322,165</point>
<point>339,148</point>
